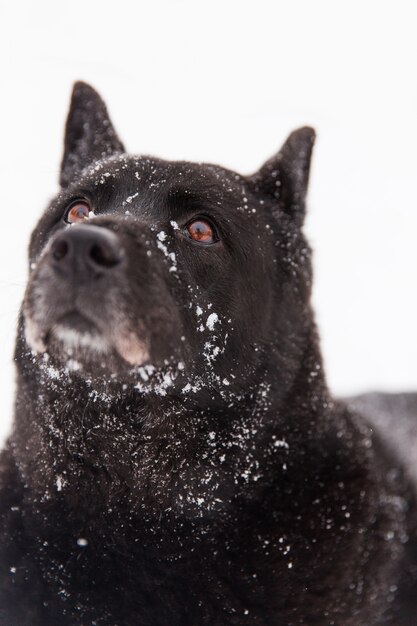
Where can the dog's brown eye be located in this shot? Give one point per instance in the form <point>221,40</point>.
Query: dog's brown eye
<point>201,231</point>
<point>78,212</point>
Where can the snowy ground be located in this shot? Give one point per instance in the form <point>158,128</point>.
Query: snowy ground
<point>226,82</point>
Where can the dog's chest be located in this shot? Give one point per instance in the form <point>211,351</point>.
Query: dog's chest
<point>235,568</point>
<point>159,572</point>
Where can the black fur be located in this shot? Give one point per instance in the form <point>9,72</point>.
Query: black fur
<point>176,457</point>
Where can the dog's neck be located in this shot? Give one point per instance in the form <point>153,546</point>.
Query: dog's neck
<point>126,446</point>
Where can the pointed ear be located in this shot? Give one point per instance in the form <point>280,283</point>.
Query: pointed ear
<point>285,176</point>
<point>89,134</point>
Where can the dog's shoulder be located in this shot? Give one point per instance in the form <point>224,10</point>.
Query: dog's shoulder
<point>11,501</point>
<point>11,487</point>
<point>19,587</point>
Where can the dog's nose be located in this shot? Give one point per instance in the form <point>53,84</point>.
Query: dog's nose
<point>85,251</point>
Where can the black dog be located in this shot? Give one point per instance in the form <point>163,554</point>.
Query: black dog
<point>176,458</point>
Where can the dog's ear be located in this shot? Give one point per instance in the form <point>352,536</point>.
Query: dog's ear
<point>89,134</point>
<point>285,177</point>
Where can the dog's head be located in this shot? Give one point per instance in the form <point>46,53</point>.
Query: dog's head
<point>172,275</point>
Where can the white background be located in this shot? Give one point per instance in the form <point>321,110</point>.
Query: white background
<point>226,82</point>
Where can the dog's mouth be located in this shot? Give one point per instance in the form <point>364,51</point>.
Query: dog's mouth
<point>74,335</point>
<point>100,350</point>
<point>75,331</point>
<point>77,321</point>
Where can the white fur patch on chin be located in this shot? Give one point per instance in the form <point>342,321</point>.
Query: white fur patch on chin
<point>72,338</point>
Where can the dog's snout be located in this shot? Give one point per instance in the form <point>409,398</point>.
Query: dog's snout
<point>89,250</point>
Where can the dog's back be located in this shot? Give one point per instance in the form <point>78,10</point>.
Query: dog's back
<point>394,417</point>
